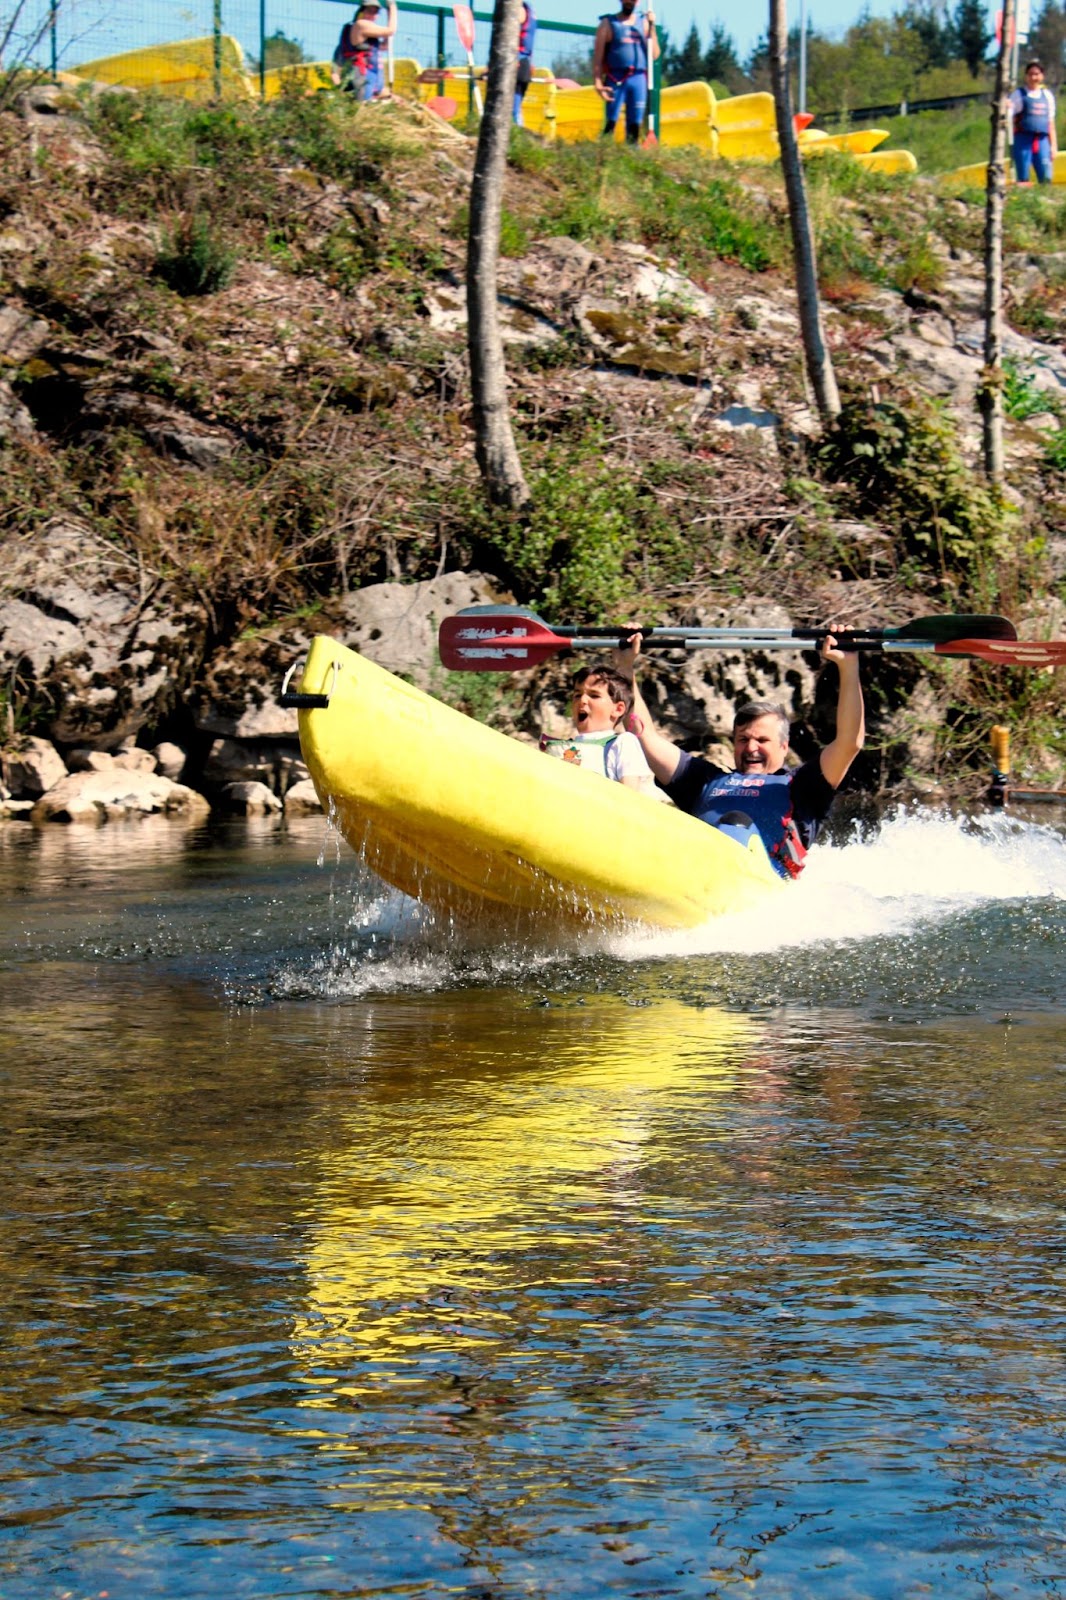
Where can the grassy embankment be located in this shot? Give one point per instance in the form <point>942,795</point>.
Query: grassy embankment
<point>351,415</point>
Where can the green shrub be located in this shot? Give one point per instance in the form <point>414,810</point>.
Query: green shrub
<point>903,466</point>
<point>1055,450</point>
<point>194,258</point>
<point>595,539</point>
<point>1022,397</point>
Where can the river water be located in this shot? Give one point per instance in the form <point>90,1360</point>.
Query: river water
<point>339,1260</point>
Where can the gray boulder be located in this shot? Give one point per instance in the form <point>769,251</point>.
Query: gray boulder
<point>302,798</point>
<point>394,624</point>
<point>79,632</point>
<point>250,799</point>
<point>32,769</point>
<point>115,796</point>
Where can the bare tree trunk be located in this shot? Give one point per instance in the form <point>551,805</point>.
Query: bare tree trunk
<point>497,456</point>
<point>815,350</point>
<point>990,389</point>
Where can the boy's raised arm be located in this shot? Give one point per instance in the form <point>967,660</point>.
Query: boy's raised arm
<point>663,756</point>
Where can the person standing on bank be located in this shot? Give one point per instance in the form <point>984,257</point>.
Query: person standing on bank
<point>786,807</point>
<point>357,60</point>
<point>527,38</point>
<point>1031,112</point>
<point>620,66</point>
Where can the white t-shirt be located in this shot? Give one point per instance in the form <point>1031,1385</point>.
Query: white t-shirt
<point>616,755</point>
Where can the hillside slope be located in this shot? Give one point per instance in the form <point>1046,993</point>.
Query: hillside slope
<point>234,390</point>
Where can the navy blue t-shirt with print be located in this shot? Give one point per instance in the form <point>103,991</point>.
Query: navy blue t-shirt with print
<point>788,808</point>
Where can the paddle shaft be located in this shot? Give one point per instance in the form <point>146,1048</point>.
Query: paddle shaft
<point>509,638</point>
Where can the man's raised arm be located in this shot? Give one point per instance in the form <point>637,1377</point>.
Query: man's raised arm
<point>837,757</point>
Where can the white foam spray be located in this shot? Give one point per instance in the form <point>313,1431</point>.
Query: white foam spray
<point>915,869</point>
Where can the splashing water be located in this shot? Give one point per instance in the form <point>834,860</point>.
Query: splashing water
<point>914,874</point>
<point>917,869</point>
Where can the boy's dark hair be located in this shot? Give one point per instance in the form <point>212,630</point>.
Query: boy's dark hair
<point>618,686</point>
<point>755,709</point>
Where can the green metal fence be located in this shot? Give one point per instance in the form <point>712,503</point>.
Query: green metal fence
<point>58,34</point>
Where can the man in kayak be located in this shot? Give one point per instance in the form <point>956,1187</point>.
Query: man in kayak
<point>785,806</point>
<point>601,699</point>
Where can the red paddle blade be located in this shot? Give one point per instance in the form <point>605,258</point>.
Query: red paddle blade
<point>1008,652</point>
<point>500,644</point>
<point>464,26</point>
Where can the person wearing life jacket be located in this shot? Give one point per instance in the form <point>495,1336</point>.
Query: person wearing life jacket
<point>601,698</point>
<point>620,66</point>
<point>1031,119</point>
<point>358,63</point>
<point>784,806</point>
<point>527,38</point>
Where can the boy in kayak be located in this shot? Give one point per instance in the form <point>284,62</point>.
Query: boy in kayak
<point>786,807</point>
<point>601,699</point>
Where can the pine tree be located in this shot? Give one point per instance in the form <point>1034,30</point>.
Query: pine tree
<point>971,33</point>
<point>684,65</point>
<point>1047,41</point>
<point>935,30</point>
<point>720,63</point>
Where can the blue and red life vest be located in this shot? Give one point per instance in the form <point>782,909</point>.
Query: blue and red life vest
<point>766,798</point>
<point>627,52</point>
<point>527,33</point>
<point>362,58</point>
<point>1034,119</point>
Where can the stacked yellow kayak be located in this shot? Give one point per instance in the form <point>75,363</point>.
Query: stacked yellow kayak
<point>485,829</point>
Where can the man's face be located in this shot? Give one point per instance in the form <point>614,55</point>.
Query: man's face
<point>592,708</point>
<point>759,746</point>
<point>1034,77</point>
<point>628,7</point>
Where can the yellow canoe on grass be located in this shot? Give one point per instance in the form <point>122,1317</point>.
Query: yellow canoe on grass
<point>859,142</point>
<point>976,175</point>
<point>487,830</point>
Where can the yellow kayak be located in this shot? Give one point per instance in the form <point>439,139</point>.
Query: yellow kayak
<point>484,829</point>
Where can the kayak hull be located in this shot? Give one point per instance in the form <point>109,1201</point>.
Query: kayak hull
<point>488,831</point>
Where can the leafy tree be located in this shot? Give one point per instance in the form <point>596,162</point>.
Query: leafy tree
<point>279,51</point>
<point>972,33</point>
<point>576,64</point>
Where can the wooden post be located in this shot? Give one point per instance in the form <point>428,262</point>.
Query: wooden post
<point>990,388</point>
<point>497,455</point>
<point>815,350</point>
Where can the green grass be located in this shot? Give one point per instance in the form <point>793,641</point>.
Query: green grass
<point>675,201</point>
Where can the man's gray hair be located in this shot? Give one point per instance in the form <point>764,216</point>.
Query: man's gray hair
<point>754,709</point>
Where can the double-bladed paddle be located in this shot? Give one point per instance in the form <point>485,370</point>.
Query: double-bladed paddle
<point>512,639</point>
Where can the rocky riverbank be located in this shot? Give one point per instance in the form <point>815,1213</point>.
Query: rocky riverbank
<point>192,484</point>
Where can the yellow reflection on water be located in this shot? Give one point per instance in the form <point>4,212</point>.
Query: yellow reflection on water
<point>518,1171</point>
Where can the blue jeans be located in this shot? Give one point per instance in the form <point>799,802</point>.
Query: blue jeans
<point>1027,150</point>
<point>632,93</point>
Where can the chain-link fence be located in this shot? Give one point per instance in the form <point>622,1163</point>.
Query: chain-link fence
<point>57,35</point>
